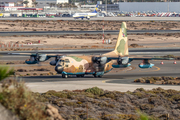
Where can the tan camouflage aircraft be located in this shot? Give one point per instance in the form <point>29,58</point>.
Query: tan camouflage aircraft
<point>94,65</point>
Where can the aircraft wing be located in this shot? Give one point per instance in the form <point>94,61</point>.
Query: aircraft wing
<point>34,54</point>
<point>150,58</point>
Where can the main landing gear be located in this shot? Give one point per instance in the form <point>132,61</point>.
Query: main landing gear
<point>99,76</point>
<point>64,76</point>
<point>79,75</point>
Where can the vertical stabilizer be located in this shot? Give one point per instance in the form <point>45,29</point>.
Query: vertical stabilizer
<point>95,11</point>
<point>121,47</point>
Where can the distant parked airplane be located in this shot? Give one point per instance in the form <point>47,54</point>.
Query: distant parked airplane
<point>86,15</point>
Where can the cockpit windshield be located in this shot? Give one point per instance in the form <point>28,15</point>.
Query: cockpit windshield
<point>61,62</point>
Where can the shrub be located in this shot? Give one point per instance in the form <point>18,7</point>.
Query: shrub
<point>95,91</point>
<point>21,102</point>
<point>5,72</point>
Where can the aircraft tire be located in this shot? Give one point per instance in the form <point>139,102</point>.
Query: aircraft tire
<point>100,76</point>
<point>94,75</point>
<point>82,18</point>
<point>63,75</point>
<point>78,76</point>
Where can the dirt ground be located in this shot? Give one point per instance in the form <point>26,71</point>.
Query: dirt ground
<point>60,25</point>
<point>87,41</point>
<point>84,41</point>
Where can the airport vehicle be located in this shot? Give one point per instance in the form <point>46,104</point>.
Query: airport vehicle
<point>86,15</point>
<point>90,64</point>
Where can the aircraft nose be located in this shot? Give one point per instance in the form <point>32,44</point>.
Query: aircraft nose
<point>59,69</point>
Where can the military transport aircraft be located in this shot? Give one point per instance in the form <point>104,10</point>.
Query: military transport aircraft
<point>94,65</point>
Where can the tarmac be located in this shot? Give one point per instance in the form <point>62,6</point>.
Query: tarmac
<point>120,81</point>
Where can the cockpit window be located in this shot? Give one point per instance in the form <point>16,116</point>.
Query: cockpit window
<point>62,62</point>
<point>66,61</point>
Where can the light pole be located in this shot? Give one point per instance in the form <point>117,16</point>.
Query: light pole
<point>106,7</point>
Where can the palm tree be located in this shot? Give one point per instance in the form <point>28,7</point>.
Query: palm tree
<point>35,3</point>
<point>26,2</point>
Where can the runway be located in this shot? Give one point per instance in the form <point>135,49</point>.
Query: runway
<point>113,32</point>
<point>101,18</point>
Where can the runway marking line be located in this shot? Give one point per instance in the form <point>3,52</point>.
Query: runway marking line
<point>157,69</point>
<point>44,80</point>
<point>104,81</point>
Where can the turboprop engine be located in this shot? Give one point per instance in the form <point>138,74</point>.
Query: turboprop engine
<point>99,60</point>
<point>146,65</point>
<point>36,59</point>
<point>123,60</point>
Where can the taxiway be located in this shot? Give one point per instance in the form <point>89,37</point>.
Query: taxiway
<point>119,81</point>
<point>113,32</point>
<point>101,18</point>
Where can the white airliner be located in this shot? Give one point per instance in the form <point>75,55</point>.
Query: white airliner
<point>86,15</point>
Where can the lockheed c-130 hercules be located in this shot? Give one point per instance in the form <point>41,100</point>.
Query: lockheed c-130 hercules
<point>94,65</point>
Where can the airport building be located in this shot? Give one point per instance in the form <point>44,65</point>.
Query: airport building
<point>109,7</point>
<point>10,5</point>
<point>150,6</point>
<point>44,3</point>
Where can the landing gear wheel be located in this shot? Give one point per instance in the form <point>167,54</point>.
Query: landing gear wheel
<point>94,75</point>
<point>78,76</point>
<point>64,76</point>
<point>100,76</point>
<point>82,18</point>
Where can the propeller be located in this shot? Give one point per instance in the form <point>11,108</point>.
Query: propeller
<point>101,61</point>
<point>122,60</point>
<point>37,57</point>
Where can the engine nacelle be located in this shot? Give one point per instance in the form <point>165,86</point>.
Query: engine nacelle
<point>123,60</point>
<point>99,60</point>
<point>43,57</point>
<point>31,60</point>
<point>146,65</point>
<point>36,59</point>
<point>53,62</point>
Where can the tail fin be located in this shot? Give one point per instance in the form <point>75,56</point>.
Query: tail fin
<point>122,41</point>
<point>95,11</point>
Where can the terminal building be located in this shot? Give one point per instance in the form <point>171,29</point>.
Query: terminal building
<point>109,7</point>
<point>45,3</point>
